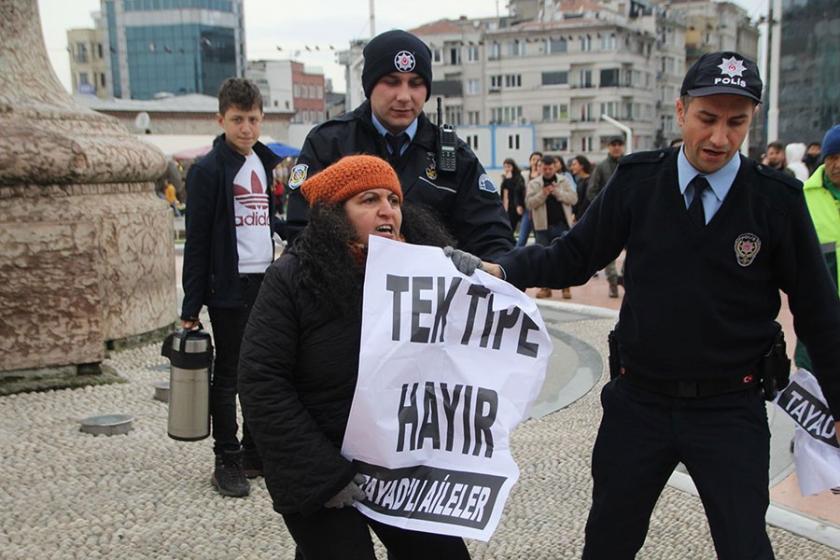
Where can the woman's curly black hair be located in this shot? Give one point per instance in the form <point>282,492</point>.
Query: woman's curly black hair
<point>328,267</point>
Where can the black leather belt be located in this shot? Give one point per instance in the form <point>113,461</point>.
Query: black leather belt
<point>690,389</point>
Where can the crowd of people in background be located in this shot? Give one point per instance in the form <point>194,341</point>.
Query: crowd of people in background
<point>584,177</point>
<point>550,206</point>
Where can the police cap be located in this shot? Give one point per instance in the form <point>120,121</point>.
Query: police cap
<point>722,73</point>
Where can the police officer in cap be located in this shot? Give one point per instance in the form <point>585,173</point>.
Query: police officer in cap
<point>711,238</point>
<point>397,80</point>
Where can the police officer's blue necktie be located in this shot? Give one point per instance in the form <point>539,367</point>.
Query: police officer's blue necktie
<point>695,209</point>
<point>395,143</point>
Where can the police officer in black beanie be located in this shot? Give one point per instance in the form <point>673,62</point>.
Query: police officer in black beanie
<point>711,237</point>
<point>397,81</point>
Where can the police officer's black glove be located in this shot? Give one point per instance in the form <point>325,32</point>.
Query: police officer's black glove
<point>466,263</point>
<point>349,494</point>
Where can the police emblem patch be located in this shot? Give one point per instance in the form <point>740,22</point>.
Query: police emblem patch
<point>732,67</point>
<point>404,61</point>
<point>486,184</point>
<point>298,175</point>
<point>431,167</point>
<point>747,246</point>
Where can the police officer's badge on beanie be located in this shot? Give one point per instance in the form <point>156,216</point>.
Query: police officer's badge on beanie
<point>723,73</point>
<point>404,61</point>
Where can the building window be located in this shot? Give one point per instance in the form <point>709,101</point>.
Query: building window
<point>455,56</point>
<point>453,115</point>
<point>511,114</point>
<point>473,117</point>
<point>553,113</point>
<point>610,109</point>
<point>81,53</point>
<point>102,79</point>
<point>609,77</point>
<point>586,112</point>
<point>513,80</point>
<point>555,144</point>
<point>586,144</point>
<point>496,82</point>
<point>495,51</point>
<point>99,50</point>
<point>513,141</point>
<point>83,79</point>
<point>472,141</point>
<point>585,78</point>
<point>585,43</point>
<point>628,111</point>
<point>608,42</point>
<point>472,53</point>
<point>517,48</point>
<point>553,45</point>
<point>473,87</point>
<point>555,78</point>
<point>437,56</point>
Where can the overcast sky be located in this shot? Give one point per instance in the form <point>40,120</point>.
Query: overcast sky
<point>272,23</point>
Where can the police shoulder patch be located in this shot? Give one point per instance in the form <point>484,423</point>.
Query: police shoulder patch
<point>651,156</point>
<point>779,176</point>
<point>298,175</point>
<point>486,184</point>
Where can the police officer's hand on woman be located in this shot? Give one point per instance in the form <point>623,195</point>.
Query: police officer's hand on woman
<point>467,263</point>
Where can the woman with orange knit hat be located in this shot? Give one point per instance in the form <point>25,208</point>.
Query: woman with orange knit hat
<point>300,358</point>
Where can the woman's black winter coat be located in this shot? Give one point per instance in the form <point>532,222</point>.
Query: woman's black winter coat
<point>297,375</point>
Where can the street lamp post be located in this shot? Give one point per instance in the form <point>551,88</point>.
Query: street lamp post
<point>625,129</point>
<point>774,48</point>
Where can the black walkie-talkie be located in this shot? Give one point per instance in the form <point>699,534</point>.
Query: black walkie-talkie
<point>447,144</point>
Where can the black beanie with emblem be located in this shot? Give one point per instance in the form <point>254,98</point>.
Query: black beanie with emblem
<point>396,51</point>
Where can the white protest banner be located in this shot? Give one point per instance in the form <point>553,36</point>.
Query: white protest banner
<point>449,365</point>
<point>816,451</point>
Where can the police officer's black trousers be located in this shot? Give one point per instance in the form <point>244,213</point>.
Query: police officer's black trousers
<point>723,441</point>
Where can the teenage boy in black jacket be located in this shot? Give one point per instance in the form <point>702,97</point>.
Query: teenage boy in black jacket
<point>230,223</point>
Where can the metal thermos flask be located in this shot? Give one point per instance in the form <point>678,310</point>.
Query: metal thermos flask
<point>190,354</point>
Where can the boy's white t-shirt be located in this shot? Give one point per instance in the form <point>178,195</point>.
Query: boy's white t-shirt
<point>253,224</point>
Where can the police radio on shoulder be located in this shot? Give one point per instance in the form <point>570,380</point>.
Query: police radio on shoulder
<point>447,144</point>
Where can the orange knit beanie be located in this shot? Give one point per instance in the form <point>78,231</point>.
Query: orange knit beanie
<point>348,177</point>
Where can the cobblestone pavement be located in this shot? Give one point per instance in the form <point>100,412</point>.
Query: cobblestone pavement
<point>66,494</point>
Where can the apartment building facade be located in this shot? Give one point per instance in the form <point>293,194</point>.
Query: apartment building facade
<point>291,86</point>
<point>89,71</point>
<point>558,73</point>
<point>554,68</point>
